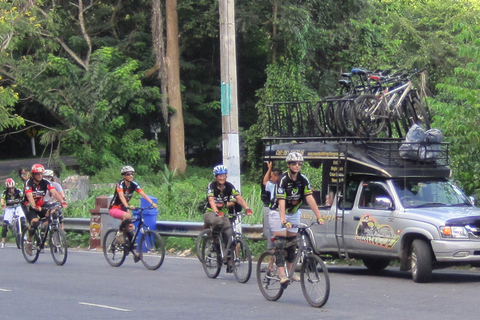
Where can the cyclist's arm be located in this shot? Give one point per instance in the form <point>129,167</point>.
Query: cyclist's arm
<point>30,199</point>
<point>266,177</point>
<point>241,202</point>
<point>313,205</point>
<point>57,196</point>
<point>144,196</point>
<point>281,209</point>
<point>121,197</point>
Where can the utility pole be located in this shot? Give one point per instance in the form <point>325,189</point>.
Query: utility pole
<point>229,102</point>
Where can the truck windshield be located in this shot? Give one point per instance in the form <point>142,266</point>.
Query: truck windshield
<point>429,193</point>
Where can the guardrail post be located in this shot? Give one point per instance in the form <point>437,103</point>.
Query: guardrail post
<point>96,234</point>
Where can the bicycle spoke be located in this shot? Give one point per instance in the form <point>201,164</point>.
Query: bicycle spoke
<point>212,261</point>
<point>58,246</point>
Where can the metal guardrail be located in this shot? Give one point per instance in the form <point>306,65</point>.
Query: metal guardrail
<point>170,228</point>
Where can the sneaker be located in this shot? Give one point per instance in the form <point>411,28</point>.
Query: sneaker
<point>2,246</point>
<point>120,237</point>
<point>284,280</point>
<point>136,257</point>
<point>295,277</point>
<point>28,248</point>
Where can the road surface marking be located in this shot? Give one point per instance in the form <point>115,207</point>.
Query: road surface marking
<point>6,290</point>
<point>103,306</point>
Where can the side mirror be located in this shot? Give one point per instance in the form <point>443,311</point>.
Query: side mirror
<point>383,203</point>
<point>473,200</point>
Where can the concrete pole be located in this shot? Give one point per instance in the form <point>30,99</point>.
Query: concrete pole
<point>229,102</point>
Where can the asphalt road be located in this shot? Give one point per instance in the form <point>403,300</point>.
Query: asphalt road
<point>86,287</point>
<point>10,168</point>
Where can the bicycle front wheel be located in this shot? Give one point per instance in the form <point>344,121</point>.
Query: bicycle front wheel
<point>151,249</point>
<point>58,246</point>
<point>17,232</point>
<point>30,256</point>
<point>113,251</point>
<point>267,277</point>
<point>315,281</point>
<point>199,243</point>
<point>211,257</point>
<point>242,260</point>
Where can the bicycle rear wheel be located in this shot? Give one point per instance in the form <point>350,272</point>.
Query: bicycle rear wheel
<point>211,257</point>
<point>33,256</point>
<point>242,260</point>
<point>58,246</point>
<point>315,281</point>
<point>151,249</point>
<point>267,278</point>
<point>199,243</point>
<point>113,251</point>
<point>369,115</point>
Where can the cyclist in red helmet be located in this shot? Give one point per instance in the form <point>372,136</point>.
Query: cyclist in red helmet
<point>11,204</point>
<point>36,188</point>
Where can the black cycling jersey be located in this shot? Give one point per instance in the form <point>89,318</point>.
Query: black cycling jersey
<point>221,197</point>
<point>127,192</point>
<point>38,190</point>
<point>13,200</point>
<point>292,191</point>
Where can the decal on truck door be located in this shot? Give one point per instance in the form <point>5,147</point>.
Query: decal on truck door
<point>369,231</point>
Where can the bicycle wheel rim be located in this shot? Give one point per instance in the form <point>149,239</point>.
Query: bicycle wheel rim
<point>212,261</point>
<point>242,261</point>
<point>35,247</point>
<point>58,246</point>
<point>151,249</point>
<point>267,278</point>
<point>369,116</point>
<point>113,251</point>
<point>315,281</point>
<point>17,233</point>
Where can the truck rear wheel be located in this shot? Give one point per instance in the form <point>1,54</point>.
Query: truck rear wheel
<point>421,258</point>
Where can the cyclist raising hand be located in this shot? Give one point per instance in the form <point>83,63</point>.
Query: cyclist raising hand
<point>12,204</point>
<point>119,207</point>
<point>35,190</point>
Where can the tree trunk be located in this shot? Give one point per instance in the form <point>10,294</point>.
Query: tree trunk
<point>159,51</point>
<point>177,130</point>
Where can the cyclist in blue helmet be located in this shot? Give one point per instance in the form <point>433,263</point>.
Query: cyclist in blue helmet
<point>222,196</point>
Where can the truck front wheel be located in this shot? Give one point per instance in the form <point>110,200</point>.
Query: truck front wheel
<point>421,261</point>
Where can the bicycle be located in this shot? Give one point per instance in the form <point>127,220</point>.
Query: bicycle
<point>16,228</point>
<point>212,253</point>
<point>151,248</point>
<point>314,278</point>
<point>48,228</point>
<point>398,104</point>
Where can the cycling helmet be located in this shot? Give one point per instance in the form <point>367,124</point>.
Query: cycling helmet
<point>9,183</point>
<point>220,169</point>
<point>48,173</point>
<point>38,168</point>
<point>127,169</point>
<point>293,157</point>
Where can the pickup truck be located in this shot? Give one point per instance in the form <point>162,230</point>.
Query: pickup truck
<point>379,207</point>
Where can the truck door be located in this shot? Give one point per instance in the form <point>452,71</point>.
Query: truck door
<point>369,226</point>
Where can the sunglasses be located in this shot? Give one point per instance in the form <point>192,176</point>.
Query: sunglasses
<point>129,174</point>
<point>296,163</point>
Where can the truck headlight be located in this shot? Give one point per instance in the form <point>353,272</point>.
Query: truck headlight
<point>454,232</point>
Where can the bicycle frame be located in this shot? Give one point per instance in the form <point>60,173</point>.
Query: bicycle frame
<point>406,88</point>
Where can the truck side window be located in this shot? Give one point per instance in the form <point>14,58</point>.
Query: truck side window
<point>370,192</point>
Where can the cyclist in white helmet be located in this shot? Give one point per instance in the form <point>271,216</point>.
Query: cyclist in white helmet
<point>119,206</point>
<point>293,188</point>
<point>11,204</point>
<point>50,200</point>
<point>221,197</point>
